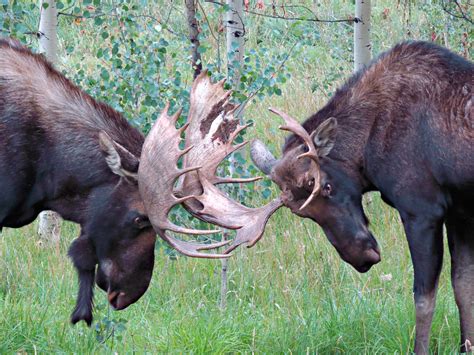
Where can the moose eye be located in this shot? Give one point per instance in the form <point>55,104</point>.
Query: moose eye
<point>141,222</point>
<point>327,189</point>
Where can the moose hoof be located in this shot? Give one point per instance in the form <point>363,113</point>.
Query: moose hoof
<point>85,315</point>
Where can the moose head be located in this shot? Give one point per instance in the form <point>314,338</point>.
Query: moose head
<point>116,245</point>
<point>313,189</point>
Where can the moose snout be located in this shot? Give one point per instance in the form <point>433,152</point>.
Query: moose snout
<point>369,254</point>
<point>361,251</point>
<point>118,300</point>
<point>370,258</point>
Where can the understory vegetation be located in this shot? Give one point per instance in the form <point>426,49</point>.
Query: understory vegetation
<point>291,293</point>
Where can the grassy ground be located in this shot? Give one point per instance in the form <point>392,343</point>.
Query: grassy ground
<point>289,294</point>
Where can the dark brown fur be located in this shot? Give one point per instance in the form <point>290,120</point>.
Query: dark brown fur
<point>51,158</point>
<point>405,127</point>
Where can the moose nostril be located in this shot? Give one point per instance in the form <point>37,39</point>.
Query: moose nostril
<point>373,255</point>
<point>116,299</point>
<point>112,297</point>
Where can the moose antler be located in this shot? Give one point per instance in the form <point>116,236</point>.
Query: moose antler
<point>157,174</point>
<point>291,125</point>
<point>212,130</point>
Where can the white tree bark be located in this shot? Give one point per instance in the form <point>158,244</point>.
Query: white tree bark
<point>49,226</point>
<point>362,45</point>
<point>235,31</point>
<point>48,38</point>
<point>193,36</point>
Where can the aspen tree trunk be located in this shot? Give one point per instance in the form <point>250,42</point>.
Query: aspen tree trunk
<point>49,227</point>
<point>362,46</point>
<point>235,31</point>
<point>48,38</point>
<point>193,36</point>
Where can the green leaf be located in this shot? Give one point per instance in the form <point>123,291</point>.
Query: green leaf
<point>266,193</point>
<point>98,21</point>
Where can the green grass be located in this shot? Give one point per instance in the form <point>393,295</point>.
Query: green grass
<point>291,293</point>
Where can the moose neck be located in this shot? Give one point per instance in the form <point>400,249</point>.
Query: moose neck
<point>51,132</point>
<point>354,119</point>
<point>78,168</point>
<point>373,108</point>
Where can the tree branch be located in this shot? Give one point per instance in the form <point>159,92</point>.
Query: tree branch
<point>292,18</point>
<point>461,13</point>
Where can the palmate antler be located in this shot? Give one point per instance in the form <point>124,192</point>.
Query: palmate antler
<point>157,174</point>
<point>210,132</point>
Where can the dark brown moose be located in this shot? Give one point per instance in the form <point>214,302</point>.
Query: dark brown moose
<point>61,150</point>
<point>403,126</point>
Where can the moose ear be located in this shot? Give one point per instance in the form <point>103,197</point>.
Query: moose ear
<point>118,158</point>
<point>324,136</point>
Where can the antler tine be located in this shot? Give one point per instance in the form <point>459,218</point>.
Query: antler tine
<point>293,126</point>
<point>175,117</point>
<point>160,153</point>
<point>212,131</point>
<point>220,180</point>
<point>239,129</point>
<point>183,128</point>
<point>192,249</point>
<point>219,209</point>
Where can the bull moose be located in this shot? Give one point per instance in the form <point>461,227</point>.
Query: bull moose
<point>63,151</point>
<point>403,126</point>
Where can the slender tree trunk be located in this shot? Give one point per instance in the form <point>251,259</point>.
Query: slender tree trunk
<point>224,281</point>
<point>362,46</point>
<point>235,32</point>
<point>48,38</point>
<point>193,36</point>
<point>49,227</point>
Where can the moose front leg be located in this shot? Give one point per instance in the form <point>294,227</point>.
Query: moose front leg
<point>461,246</point>
<point>425,239</point>
<point>83,256</point>
<point>85,298</point>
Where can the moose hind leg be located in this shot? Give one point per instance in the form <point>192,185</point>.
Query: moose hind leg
<point>460,229</point>
<point>425,239</point>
